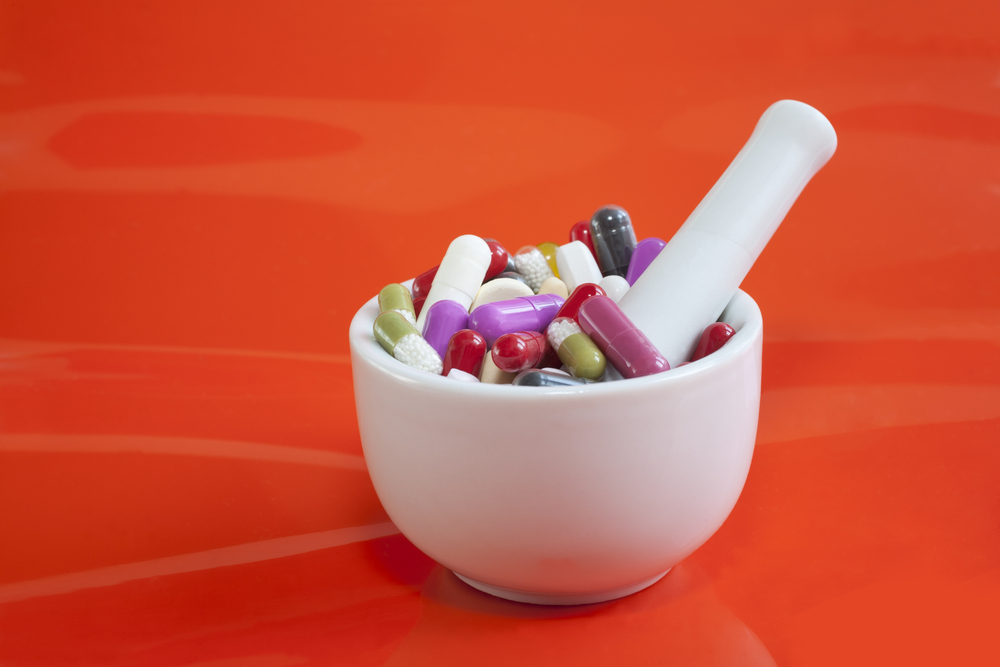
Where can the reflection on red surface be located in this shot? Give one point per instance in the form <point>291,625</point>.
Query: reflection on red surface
<point>161,139</point>
<point>188,221</point>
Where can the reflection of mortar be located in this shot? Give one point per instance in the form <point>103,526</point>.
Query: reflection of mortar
<point>560,495</point>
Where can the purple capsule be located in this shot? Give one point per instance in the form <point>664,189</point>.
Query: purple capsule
<point>444,318</point>
<point>643,255</point>
<point>525,313</point>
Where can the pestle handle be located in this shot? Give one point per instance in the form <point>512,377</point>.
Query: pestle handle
<point>690,282</point>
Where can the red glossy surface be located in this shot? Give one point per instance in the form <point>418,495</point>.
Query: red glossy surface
<point>715,336</point>
<point>498,259</point>
<point>195,197</point>
<point>516,352</point>
<point>466,351</point>
<point>422,283</point>
<point>571,307</point>
<point>581,232</point>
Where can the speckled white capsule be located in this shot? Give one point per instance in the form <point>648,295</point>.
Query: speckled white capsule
<point>531,264</point>
<point>400,338</point>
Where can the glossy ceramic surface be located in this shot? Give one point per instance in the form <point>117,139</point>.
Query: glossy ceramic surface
<point>603,486</point>
<point>198,196</point>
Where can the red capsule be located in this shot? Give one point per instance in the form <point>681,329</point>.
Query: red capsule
<point>715,336</point>
<point>571,307</point>
<point>466,351</point>
<point>418,305</point>
<point>516,352</point>
<point>422,283</point>
<point>581,232</point>
<point>498,262</point>
<point>551,358</point>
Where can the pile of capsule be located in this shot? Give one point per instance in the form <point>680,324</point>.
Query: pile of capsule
<point>545,316</point>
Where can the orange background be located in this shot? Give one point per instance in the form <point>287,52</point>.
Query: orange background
<point>195,197</point>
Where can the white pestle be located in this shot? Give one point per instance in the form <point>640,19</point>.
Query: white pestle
<point>689,284</point>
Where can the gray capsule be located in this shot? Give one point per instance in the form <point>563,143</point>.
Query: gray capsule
<point>536,377</point>
<point>614,239</point>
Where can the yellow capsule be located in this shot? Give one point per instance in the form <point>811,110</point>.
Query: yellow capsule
<point>549,253</point>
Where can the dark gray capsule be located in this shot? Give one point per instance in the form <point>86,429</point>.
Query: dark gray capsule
<point>536,377</point>
<point>514,275</point>
<point>614,240</point>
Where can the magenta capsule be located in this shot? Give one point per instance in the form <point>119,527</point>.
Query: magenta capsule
<point>516,352</point>
<point>466,350</point>
<point>643,255</point>
<point>422,283</point>
<point>583,292</point>
<point>444,318</point>
<point>715,336</point>
<point>627,348</point>
<point>525,313</point>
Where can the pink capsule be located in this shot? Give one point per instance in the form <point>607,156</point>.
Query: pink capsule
<point>571,307</point>
<point>715,336</point>
<point>515,352</point>
<point>627,348</point>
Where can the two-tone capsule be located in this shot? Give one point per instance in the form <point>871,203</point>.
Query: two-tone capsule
<point>531,264</point>
<point>627,348</point>
<point>515,352</point>
<point>575,348</point>
<point>402,340</point>
<point>460,274</point>
<point>395,297</point>
<point>614,239</point>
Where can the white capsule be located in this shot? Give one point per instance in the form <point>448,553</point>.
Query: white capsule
<point>417,353</point>
<point>576,265</point>
<point>460,275</point>
<point>500,289</point>
<point>615,286</point>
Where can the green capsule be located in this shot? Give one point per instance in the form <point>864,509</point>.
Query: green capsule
<point>390,328</point>
<point>582,357</point>
<point>397,298</point>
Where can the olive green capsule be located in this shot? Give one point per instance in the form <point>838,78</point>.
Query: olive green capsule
<point>582,357</point>
<point>397,298</point>
<point>401,339</point>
